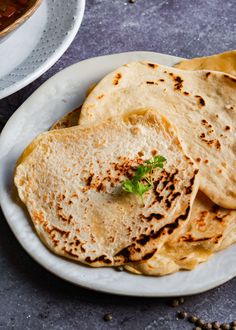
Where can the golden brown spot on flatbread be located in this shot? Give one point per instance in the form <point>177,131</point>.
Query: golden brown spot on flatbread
<point>100,187</point>
<point>102,258</point>
<point>100,96</point>
<point>154,152</point>
<point>201,101</point>
<point>38,217</point>
<point>178,82</point>
<point>152,65</point>
<point>186,93</point>
<point>61,197</point>
<point>210,131</point>
<point>149,255</point>
<point>140,153</point>
<point>89,179</point>
<point>208,74</point>
<point>198,159</point>
<point>190,187</point>
<point>152,216</point>
<point>217,144</point>
<point>61,214</point>
<point>82,249</point>
<point>206,161</point>
<point>124,166</point>
<point>201,223</point>
<point>230,78</point>
<point>117,78</point>
<point>70,253</point>
<point>135,130</point>
<point>211,143</point>
<point>111,239</point>
<point>227,128</point>
<point>217,239</point>
<point>162,80</point>
<point>63,233</point>
<point>189,238</point>
<point>229,107</point>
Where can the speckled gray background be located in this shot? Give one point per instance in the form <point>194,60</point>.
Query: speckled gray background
<point>30,297</point>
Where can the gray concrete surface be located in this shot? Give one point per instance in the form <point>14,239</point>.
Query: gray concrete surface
<point>30,297</point>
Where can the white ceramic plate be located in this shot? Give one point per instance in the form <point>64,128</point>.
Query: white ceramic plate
<point>36,45</point>
<point>60,94</point>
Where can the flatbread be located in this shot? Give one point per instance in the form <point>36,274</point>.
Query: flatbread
<point>210,229</point>
<point>224,62</point>
<point>202,105</point>
<point>70,181</point>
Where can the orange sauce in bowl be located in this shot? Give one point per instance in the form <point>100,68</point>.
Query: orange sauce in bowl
<point>11,10</point>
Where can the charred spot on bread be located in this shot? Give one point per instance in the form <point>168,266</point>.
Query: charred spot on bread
<point>117,78</point>
<point>201,101</point>
<point>152,65</point>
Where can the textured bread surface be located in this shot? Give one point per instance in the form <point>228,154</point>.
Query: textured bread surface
<point>70,181</point>
<point>201,104</point>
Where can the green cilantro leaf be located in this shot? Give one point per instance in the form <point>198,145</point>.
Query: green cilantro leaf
<point>128,186</point>
<point>142,180</point>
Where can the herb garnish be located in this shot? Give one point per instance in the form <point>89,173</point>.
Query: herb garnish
<point>142,180</point>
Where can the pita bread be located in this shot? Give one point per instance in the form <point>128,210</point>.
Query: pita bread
<point>70,181</point>
<point>202,105</point>
<point>224,62</point>
<point>210,229</point>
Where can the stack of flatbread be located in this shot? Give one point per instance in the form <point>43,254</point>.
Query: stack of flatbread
<point>71,177</point>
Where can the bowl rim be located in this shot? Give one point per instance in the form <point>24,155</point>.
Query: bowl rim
<point>21,19</point>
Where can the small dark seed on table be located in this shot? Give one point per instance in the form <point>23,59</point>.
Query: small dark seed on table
<point>182,315</point>
<point>207,326</point>
<point>175,303</point>
<point>192,319</point>
<point>107,317</point>
<point>200,322</point>
<point>215,325</point>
